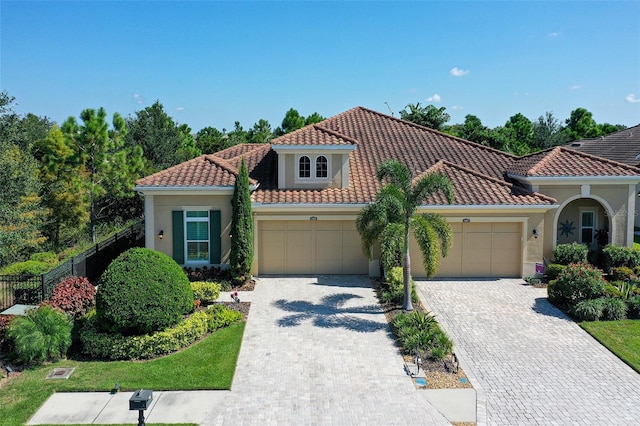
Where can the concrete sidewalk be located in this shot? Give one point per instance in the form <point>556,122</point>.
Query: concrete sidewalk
<point>104,407</point>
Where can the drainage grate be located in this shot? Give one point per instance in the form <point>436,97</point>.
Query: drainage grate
<point>60,373</point>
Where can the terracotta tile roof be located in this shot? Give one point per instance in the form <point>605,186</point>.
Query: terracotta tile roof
<point>566,162</point>
<point>481,189</point>
<point>203,171</point>
<point>314,135</point>
<point>622,146</point>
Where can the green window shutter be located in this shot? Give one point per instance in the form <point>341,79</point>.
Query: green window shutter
<point>178,236</point>
<point>215,229</point>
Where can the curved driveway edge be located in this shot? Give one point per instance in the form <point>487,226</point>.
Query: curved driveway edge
<point>318,351</point>
<point>529,363</point>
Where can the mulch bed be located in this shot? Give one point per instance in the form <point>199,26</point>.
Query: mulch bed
<point>439,375</point>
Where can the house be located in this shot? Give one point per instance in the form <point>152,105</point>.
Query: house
<point>309,185</point>
<point>622,146</point>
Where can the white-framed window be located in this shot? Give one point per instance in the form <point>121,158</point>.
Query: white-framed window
<point>196,236</point>
<point>313,167</point>
<point>322,167</point>
<point>587,226</point>
<point>304,167</point>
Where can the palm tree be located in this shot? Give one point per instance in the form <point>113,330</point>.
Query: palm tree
<point>393,213</point>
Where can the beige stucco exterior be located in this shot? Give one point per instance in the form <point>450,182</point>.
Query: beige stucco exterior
<point>158,208</point>
<point>338,168</point>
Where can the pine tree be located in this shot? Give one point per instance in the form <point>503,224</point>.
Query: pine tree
<point>241,257</point>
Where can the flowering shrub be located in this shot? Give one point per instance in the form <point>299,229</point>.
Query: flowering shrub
<point>4,324</point>
<point>74,296</point>
<point>577,282</point>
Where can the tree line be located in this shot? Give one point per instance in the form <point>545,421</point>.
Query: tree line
<point>59,182</point>
<point>519,135</point>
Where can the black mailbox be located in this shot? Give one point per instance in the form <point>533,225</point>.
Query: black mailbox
<point>141,399</point>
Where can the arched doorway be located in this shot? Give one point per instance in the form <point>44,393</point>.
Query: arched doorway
<point>584,220</point>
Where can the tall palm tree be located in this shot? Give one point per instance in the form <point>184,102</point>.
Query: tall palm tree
<point>394,212</point>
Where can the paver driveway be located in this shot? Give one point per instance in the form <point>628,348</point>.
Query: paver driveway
<point>527,360</point>
<point>318,350</point>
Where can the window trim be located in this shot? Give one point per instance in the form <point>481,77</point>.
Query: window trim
<point>592,227</point>
<point>313,160</point>
<point>300,170</point>
<point>326,167</point>
<point>187,219</point>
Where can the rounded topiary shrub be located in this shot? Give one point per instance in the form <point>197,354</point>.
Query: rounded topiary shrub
<point>74,296</point>
<point>613,309</point>
<point>588,310</point>
<point>142,291</point>
<point>565,254</point>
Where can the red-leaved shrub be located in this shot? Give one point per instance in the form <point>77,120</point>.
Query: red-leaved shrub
<point>74,295</point>
<point>4,324</point>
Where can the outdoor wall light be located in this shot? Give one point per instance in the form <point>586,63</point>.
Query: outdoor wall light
<point>535,233</point>
<point>313,218</point>
<point>466,220</point>
<point>161,234</point>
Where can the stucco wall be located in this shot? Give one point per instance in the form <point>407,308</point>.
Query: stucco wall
<point>165,204</point>
<point>614,196</point>
<point>335,171</point>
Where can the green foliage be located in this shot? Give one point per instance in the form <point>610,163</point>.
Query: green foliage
<point>581,125</point>
<point>588,310</point>
<point>205,292</point>
<point>220,316</point>
<point>143,291</point>
<point>613,309</point>
<point>109,167</point>
<point>553,270</point>
<point>633,305</point>
<point>115,346</point>
<point>420,333</point>
<point>210,140</point>
<point>43,334</point>
<point>48,257</point>
<point>74,296</point>
<point>625,289</point>
<point>565,254</point>
<point>28,267</point>
<point>164,143</point>
<point>260,133</point>
<point>389,219</point>
<point>4,324</point>
<point>615,256</point>
<point>241,256</point>
<point>621,273</point>
<point>395,292</point>
<point>577,282</point>
<point>292,121</point>
<point>428,116</point>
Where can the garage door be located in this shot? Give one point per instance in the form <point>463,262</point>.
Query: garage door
<point>310,247</point>
<point>479,250</point>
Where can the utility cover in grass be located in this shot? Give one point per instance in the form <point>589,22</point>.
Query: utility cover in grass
<point>60,373</point>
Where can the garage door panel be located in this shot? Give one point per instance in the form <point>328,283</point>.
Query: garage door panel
<point>310,247</point>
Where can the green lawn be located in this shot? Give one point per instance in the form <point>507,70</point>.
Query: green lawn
<point>209,364</point>
<point>620,337</point>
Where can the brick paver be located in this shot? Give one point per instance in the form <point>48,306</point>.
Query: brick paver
<point>318,351</point>
<point>530,363</point>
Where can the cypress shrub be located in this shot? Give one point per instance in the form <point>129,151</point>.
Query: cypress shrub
<point>241,256</point>
<point>142,291</point>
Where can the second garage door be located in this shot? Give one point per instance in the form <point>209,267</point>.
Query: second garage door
<point>310,247</point>
<point>479,249</point>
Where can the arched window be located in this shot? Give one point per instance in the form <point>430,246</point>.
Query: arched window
<point>321,167</point>
<point>304,167</point>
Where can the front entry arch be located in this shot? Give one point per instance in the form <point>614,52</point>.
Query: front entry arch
<point>579,219</point>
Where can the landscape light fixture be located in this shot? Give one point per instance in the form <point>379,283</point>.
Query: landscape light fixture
<point>161,234</point>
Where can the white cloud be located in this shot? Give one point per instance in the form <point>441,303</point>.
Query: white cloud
<point>138,98</point>
<point>180,109</point>
<point>554,34</point>
<point>456,108</point>
<point>631,97</point>
<point>575,87</point>
<point>434,98</point>
<point>457,72</point>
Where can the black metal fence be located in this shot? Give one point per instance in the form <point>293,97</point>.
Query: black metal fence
<point>33,289</point>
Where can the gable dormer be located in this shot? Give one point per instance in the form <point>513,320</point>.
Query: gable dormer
<point>313,158</point>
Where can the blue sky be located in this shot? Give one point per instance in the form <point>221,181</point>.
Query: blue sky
<point>212,63</point>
